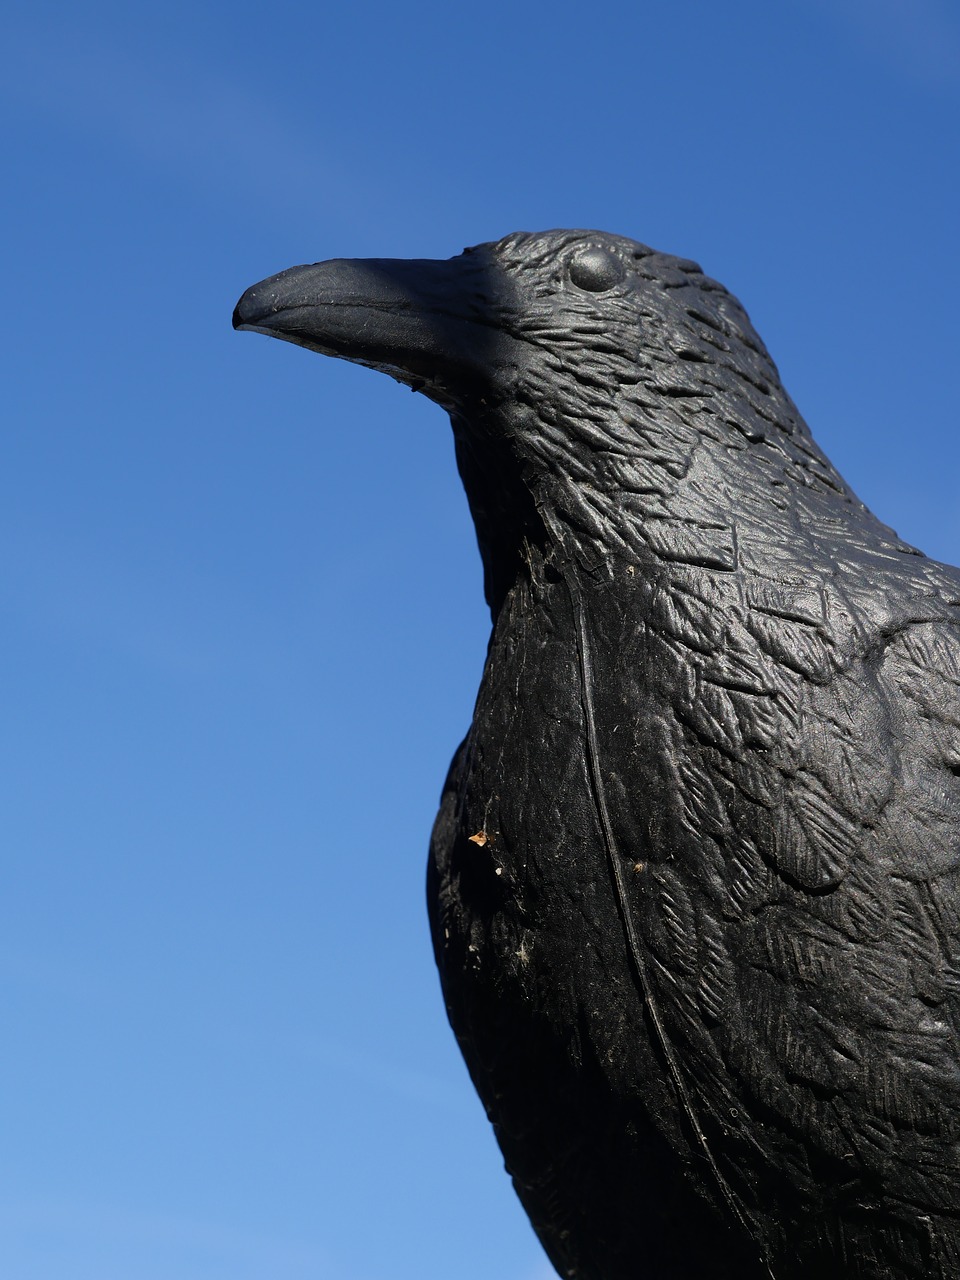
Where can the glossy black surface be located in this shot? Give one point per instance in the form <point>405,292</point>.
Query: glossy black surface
<point>693,884</point>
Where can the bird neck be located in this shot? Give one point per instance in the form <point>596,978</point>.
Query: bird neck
<point>502,504</point>
<point>644,486</point>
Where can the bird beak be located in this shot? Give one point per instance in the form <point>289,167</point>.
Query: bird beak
<point>430,324</point>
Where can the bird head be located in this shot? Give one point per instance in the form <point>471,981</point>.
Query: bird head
<point>582,372</point>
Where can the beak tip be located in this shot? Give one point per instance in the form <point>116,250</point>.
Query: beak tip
<point>246,312</point>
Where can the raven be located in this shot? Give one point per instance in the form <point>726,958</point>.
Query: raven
<point>693,885</point>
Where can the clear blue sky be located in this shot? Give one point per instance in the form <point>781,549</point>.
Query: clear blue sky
<point>243,620</point>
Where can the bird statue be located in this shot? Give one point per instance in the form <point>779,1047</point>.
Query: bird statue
<point>693,885</point>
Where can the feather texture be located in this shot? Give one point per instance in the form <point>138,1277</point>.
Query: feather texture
<point>704,962</point>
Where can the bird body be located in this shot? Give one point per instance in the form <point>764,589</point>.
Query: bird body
<point>693,882</point>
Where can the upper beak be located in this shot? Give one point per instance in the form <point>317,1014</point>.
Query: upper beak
<point>431,324</point>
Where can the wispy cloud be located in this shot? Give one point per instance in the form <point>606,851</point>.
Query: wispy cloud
<point>386,1074</point>
<point>125,1241</point>
<point>921,38</point>
<point>185,117</point>
<point>65,586</point>
<point>121,1232</point>
<point>61,584</point>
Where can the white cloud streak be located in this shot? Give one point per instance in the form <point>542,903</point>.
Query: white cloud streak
<point>194,122</point>
<point>920,38</point>
<point>118,1232</point>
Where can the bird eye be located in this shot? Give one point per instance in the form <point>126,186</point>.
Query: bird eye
<point>596,270</point>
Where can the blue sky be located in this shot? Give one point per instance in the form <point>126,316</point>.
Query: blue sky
<point>243,615</point>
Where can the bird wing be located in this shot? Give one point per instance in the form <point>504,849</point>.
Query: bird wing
<point>796,901</point>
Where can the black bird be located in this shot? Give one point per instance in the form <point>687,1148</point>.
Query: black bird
<point>693,885</point>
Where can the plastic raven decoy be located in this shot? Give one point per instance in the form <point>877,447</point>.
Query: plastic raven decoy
<point>694,880</point>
